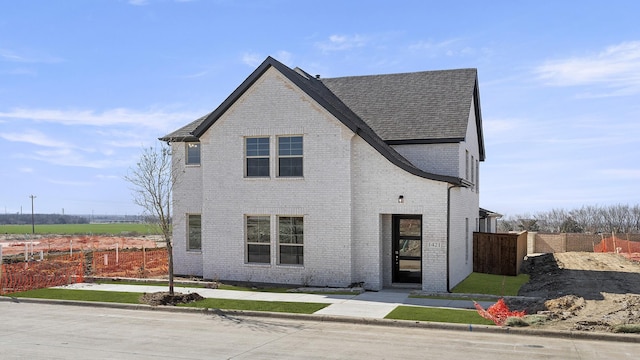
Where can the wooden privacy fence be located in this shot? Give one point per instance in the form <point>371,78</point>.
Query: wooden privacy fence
<point>499,254</point>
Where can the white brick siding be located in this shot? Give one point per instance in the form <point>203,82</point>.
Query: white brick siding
<point>347,196</point>
<point>187,199</point>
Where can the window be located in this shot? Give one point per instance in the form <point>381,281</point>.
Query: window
<point>258,239</point>
<point>193,153</point>
<point>290,156</point>
<point>466,165</point>
<point>477,176</point>
<point>472,169</point>
<point>257,157</point>
<point>466,240</point>
<point>291,240</point>
<point>194,242</point>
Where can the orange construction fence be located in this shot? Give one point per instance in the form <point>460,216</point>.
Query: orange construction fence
<point>136,264</point>
<point>498,312</point>
<point>55,271</point>
<point>614,244</point>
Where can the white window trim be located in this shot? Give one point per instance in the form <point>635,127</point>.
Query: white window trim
<point>278,244</point>
<point>247,242</point>
<point>189,249</point>
<point>278,156</point>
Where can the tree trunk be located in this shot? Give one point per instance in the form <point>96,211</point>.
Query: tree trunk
<point>170,258</point>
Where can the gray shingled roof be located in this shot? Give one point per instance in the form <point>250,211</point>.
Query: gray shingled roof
<point>345,97</point>
<point>185,132</point>
<point>410,106</point>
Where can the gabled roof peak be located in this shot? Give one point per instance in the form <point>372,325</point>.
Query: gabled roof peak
<point>356,100</point>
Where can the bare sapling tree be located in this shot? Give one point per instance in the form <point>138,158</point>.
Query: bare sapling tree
<point>153,182</point>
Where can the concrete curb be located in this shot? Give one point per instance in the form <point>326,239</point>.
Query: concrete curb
<point>576,335</point>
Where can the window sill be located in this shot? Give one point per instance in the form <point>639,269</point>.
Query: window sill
<point>291,266</point>
<point>194,252</point>
<point>192,165</point>
<point>258,265</point>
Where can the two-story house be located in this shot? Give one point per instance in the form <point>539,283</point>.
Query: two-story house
<point>297,179</point>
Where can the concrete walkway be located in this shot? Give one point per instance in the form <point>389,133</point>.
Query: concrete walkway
<point>370,304</point>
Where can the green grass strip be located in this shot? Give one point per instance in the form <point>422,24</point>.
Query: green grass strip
<point>257,305</point>
<point>134,298</point>
<point>415,313</point>
<point>81,229</point>
<point>81,295</point>
<point>437,297</point>
<point>499,285</point>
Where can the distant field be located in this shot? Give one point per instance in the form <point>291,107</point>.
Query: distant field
<point>78,229</point>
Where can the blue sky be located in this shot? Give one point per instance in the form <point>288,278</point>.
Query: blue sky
<point>85,85</point>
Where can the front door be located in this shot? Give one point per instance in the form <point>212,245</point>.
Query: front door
<point>407,248</point>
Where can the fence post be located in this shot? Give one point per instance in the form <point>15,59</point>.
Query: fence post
<point>70,247</point>
<point>117,259</point>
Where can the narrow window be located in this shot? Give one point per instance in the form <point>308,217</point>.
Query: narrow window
<point>257,157</point>
<point>466,240</point>
<point>193,153</point>
<point>194,242</point>
<point>290,156</point>
<point>258,239</point>
<point>291,240</point>
<point>472,169</point>
<point>477,176</point>
<point>466,165</point>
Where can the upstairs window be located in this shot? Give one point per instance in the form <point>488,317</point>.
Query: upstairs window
<point>193,153</point>
<point>257,157</point>
<point>290,156</point>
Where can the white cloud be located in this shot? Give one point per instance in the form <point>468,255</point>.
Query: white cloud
<point>153,119</point>
<point>629,174</point>
<point>252,59</point>
<point>34,137</point>
<point>342,42</point>
<point>449,47</point>
<point>617,68</point>
<point>70,182</point>
<point>27,57</point>
<point>139,2</point>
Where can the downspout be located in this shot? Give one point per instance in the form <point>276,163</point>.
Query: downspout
<point>449,231</point>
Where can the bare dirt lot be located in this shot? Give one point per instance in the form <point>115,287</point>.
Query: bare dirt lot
<point>18,244</point>
<point>582,291</point>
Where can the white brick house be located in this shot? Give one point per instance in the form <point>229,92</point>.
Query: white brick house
<point>295,179</point>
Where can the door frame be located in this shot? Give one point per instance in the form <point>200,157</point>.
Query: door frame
<point>398,276</point>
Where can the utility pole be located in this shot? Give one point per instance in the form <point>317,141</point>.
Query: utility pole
<point>33,222</point>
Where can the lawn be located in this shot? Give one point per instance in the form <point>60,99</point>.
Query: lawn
<point>256,305</point>
<point>416,313</point>
<point>499,285</point>
<point>134,298</point>
<point>81,229</point>
<point>81,295</point>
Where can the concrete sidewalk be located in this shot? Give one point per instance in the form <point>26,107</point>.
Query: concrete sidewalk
<point>370,304</point>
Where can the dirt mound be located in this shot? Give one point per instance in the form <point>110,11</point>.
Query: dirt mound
<point>164,298</point>
<point>581,291</point>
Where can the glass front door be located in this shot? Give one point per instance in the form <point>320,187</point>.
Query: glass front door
<point>407,248</point>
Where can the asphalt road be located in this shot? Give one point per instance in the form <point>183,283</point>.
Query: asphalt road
<point>39,331</point>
